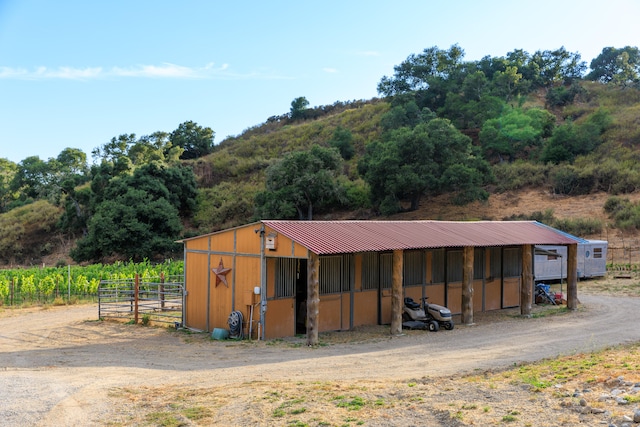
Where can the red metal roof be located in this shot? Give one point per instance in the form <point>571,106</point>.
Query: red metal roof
<point>332,237</point>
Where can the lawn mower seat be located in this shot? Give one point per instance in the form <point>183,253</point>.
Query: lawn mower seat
<point>409,302</point>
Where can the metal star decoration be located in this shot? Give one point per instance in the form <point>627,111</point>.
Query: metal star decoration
<point>221,274</point>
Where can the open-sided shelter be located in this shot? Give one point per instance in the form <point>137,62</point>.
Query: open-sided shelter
<point>289,277</point>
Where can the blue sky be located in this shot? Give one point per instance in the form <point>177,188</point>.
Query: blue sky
<point>77,73</point>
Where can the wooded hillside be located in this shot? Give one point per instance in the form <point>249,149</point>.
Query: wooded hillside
<point>445,132</point>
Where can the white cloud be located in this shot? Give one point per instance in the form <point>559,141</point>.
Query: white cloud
<point>162,71</point>
<point>47,73</point>
<point>329,70</point>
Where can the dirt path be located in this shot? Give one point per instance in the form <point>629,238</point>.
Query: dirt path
<point>57,366</point>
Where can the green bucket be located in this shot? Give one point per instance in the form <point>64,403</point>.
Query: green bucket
<point>220,334</point>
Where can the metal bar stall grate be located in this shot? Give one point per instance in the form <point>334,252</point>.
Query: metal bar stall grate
<point>152,300</point>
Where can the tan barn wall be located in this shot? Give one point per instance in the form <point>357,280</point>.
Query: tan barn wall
<point>385,306</point>
<point>477,295</point>
<point>330,313</point>
<point>247,240</point>
<point>239,250</point>
<point>199,244</point>
<point>223,242</point>
<point>196,274</point>
<point>280,319</point>
<point>220,301</point>
<point>346,312</point>
<point>271,277</point>
<point>493,295</point>
<point>435,292</point>
<point>511,292</point>
<point>454,297</point>
<point>414,292</point>
<point>246,277</point>
<point>365,307</point>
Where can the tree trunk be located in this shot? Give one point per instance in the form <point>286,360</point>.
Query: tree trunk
<point>415,202</point>
<point>526,289</point>
<point>467,286</point>
<point>396,294</point>
<point>313,298</point>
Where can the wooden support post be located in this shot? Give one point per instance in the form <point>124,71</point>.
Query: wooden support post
<point>396,293</point>
<point>467,286</point>
<point>526,288</point>
<point>313,298</point>
<point>136,290</point>
<point>572,277</point>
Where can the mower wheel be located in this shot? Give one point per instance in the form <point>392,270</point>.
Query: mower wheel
<point>448,326</point>
<point>433,326</point>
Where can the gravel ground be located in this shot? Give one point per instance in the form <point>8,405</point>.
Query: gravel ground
<point>60,366</point>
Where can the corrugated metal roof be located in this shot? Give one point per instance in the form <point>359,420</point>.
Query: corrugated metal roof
<point>332,237</point>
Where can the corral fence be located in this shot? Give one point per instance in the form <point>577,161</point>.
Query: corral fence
<point>142,300</point>
<point>623,258</point>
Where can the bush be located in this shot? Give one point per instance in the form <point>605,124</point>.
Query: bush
<point>519,174</point>
<point>579,226</point>
<point>356,193</point>
<point>224,206</point>
<point>567,179</point>
<point>624,213</point>
<point>546,217</point>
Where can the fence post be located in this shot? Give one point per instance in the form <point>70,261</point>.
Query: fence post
<point>162,290</point>
<point>136,289</point>
<point>11,292</point>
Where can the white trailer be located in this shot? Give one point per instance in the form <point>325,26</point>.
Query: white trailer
<point>550,261</point>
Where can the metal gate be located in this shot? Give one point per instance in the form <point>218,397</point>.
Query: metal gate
<point>145,300</point>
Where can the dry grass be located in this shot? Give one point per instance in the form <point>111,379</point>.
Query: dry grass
<point>554,392</point>
<point>544,393</point>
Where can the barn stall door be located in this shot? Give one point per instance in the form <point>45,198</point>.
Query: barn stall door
<point>280,317</point>
<point>512,272</point>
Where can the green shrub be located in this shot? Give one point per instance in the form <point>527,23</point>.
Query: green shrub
<point>624,213</point>
<point>519,174</point>
<point>579,226</point>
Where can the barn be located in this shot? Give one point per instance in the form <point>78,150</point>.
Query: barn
<point>293,277</point>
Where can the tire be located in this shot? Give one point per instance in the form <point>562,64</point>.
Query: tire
<point>433,326</point>
<point>448,326</point>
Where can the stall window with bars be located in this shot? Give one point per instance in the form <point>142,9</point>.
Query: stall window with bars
<point>414,268</point>
<point>454,266</point>
<point>597,252</point>
<point>335,274</point>
<point>512,262</point>
<point>437,266</point>
<point>386,270</point>
<point>495,255</point>
<point>286,273</point>
<point>478,263</point>
<point>370,271</point>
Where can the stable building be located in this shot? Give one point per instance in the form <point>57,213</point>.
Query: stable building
<point>292,277</point>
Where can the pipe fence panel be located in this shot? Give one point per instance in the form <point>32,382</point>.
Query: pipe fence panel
<point>148,301</point>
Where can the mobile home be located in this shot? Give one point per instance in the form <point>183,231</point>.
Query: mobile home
<point>550,261</point>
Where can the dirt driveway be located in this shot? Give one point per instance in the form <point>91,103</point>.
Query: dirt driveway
<point>60,366</point>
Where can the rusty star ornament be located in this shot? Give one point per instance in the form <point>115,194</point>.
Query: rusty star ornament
<point>221,274</point>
